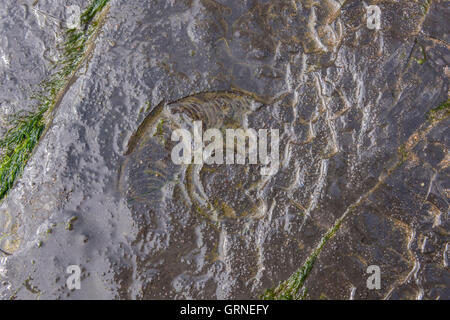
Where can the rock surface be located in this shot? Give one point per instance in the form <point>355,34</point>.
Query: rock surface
<point>357,142</point>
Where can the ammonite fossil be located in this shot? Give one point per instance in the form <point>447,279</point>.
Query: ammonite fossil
<point>216,191</point>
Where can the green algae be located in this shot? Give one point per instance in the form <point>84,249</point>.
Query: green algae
<point>440,112</point>
<point>294,287</point>
<point>19,141</point>
<point>69,223</point>
<point>423,59</point>
<point>426,6</point>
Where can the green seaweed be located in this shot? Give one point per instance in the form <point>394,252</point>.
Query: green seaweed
<point>17,147</point>
<point>403,154</point>
<point>293,288</point>
<point>426,6</point>
<point>440,112</point>
<point>159,132</point>
<point>17,144</point>
<point>69,223</point>
<point>424,56</point>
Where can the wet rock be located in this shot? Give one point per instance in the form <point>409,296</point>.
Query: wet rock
<point>352,107</point>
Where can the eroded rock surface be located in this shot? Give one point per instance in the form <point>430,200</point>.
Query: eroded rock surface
<point>357,142</point>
